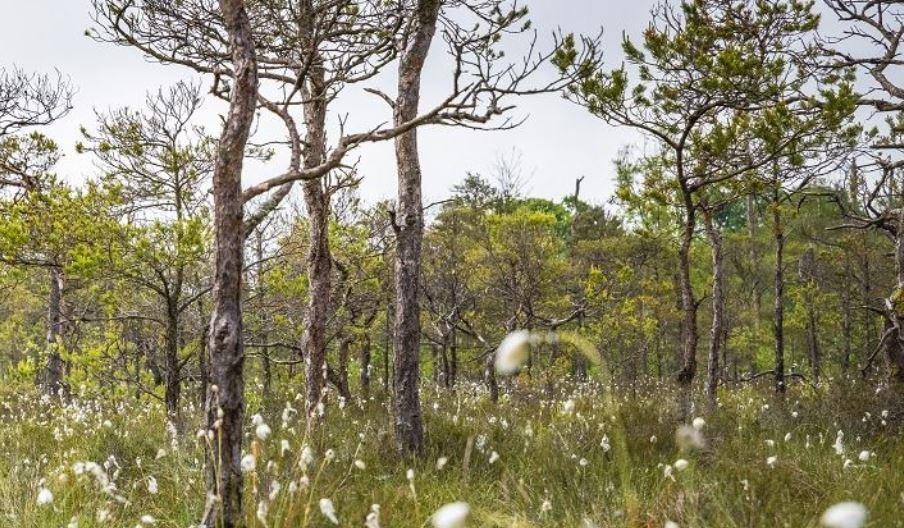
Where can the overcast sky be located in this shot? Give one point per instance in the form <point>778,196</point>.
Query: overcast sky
<point>558,143</point>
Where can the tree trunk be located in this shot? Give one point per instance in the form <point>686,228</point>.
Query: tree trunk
<point>409,227</point>
<point>339,376</point>
<point>319,260</point>
<point>778,320</point>
<point>846,319</point>
<point>718,305</point>
<point>54,369</point>
<point>365,367</point>
<point>225,405</point>
<point>689,308</point>
<point>172,370</point>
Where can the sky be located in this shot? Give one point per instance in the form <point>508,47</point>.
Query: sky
<point>558,143</point>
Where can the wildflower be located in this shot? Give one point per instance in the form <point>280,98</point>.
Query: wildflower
<point>839,445</point>
<point>844,515</point>
<point>307,457</point>
<point>568,406</point>
<point>373,518</point>
<point>681,464</point>
<point>451,515</point>
<point>249,463</point>
<point>513,352</point>
<point>699,423</point>
<point>262,431</point>
<point>689,438</point>
<point>152,485</point>
<point>494,456</point>
<point>328,510</point>
<point>329,455</point>
<point>45,496</point>
<point>604,443</point>
<point>864,456</point>
<point>262,509</point>
<point>771,461</point>
<point>441,462</point>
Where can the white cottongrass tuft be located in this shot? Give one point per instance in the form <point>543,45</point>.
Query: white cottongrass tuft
<point>148,519</point>
<point>152,485</point>
<point>328,510</point>
<point>864,456</point>
<point>262,431</point>
<point>441,462</point>
<point>681,464</point>
<point>494,456</point>
<point>771,461</point>
<point>513,352</point>
<point>451,515</point>
<point>373,518</point>
<point>670,524</point>
<point>45,496</point>
<point>249,463</point>
<point>844,515</point>
<point>689,438</point>
<point>360,464</point>
<point>699,423</point>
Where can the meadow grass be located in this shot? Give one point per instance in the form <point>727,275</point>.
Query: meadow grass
<point>580,459</point>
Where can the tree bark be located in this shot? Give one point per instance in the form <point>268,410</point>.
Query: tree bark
<point>225,405</point>
<point>718,307</point>
<point>54,369</point>
<point>409,227</point>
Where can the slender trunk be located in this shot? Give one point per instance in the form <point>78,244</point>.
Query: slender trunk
<point>807,274</point>
<point>689,308</point>
<point>54,369</point>
<point>718,306</point>
<point>339,376</point>
<point>172,370</point>
<point>225,404</point>
<point>778,320</point>
<point>365,367</point>
<point>846,319</point>
<point>753,254</point>
<point>409,227</point>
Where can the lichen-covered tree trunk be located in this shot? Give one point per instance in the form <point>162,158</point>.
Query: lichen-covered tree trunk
<point>225,404</point>
<point>409,227</point>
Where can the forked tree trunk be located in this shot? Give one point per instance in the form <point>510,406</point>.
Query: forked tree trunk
<point>54,369</point>
<point>225,405</point>
<point>409,227</point>
<point>718,306</point>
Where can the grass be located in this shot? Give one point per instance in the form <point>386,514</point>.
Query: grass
<point>551,470</point>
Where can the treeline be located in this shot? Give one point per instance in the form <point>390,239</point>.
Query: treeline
<point>757,231</point>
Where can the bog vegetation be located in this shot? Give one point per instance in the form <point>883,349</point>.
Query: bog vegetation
<point>718,344</point>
